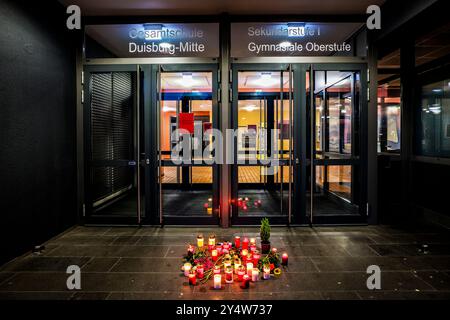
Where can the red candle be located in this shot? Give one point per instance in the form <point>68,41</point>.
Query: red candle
<point>219,250</point>
<point>245,244</point>
<point>216,270</point>
<point>244,254</point>
<point>284,259</point>
<point>241,272</point>
<point>245,282</point>
<point>200,271</point>
<point>192,279</point>
<point>252,248</point>
<point>256,257</point>
<point>214,255</point>
<point>237,241</point>
<point>226,246</point>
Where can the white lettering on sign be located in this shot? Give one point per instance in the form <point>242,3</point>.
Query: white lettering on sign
<point>298,47</point>
<point>296,31</point>
<point>166,48</point>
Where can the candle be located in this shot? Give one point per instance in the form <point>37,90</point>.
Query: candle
<point>209,210</point>
<point>200,271</point>
<point>200,240</point>
<point>187,269</point>
<point>252,241</point>
<point>245,244</point>
<point>211,242</point>
<point>244,253</point>
<point>216,269</point>
<point>237,242</point>
<point>249,258</point>
<point>241,272</point>
<point>266,274</point>
<point>237,264</point>
<point>227,263</point>
<point>190,250</point>
<point>217,281</point>
<point>226,246</point>
<point>284,259</point>
<point>192,279</point>
<point>252,248</point>
<point>255,274</point>
<point>229,275</point>
<point>245,282</point>
<point>214,255</point>
<point>219,250</point>
<point>249,268</point>
<point>274,250</point>
<point>256,257</point>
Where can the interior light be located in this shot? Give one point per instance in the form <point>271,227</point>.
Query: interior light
<point>168,109</point>
<point>250,107</point>
<point>437,90</point>
<point>266,75</point>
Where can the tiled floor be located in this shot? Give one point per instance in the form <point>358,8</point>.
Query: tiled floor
<point>324,263</point>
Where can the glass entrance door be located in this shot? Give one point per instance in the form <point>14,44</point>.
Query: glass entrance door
<point>336,192</point>
<point>186,114</point>
<point>263,144</point>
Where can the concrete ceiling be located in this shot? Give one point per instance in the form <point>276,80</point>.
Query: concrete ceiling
<point>212,7</point>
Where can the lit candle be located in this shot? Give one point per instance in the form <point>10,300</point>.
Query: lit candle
<point>187,269</point>
<point>216,269</point>
<point>252,247</point>
<point>266,274</point>
<point>190,250</point>
<point>256,257</point>
<point>252,241</point>
<point>255,274</point>
<point>237,264</point>
<point>217,281</point>
<point>249,258</point>
<point>237,242</point>
<point>227,263</point>
<point>214,255</point>
<point>226,246</point>
<point>209,210</point>
<point>245,244</point>
<point>200,271</point>
<point>241,272</point>
<point>200,240</point>
<point>245,282</point>
<point>192,279</point>
<point>249,268</point>
<point>229,275</point>
<point>244,253</point>
<point>219,250</point>
<point>211,241</point>
<point>284,259</point>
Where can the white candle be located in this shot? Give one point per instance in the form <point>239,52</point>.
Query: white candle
<point>255,274</point>
<point>187,269</point>
<point>217,281</point>
<point>249,268</point>
<point>266,274</point>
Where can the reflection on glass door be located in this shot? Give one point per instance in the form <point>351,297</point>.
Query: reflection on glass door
<point>335,180</point>
<point>187,111</point>
<point>262,120</point>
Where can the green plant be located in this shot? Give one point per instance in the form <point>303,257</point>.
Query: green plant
<point>265,230</point>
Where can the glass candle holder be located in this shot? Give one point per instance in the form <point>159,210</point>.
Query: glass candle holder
<point>245,244</point>
<point>249,268</point>
<point>200,241</point>
<point>187,269</point>
<point>190,250</point>
<point>284,259</point>
<point>245,284</point>
<point>241,272</point>
<point>211,242</point>
<point>237,264</point>
<point>266,274</point>
<point>237,242</point>
<point>219,250</point>
<point>227,263</point>
<point>200,271</point>
<point>252,248</point>
<point>256,257</point>
<point>192,279</point>
<point>229,274</point>
<point>252,241</point>
<point>216,270</point>
<point>214,255</point>
<point>244,253</point>
<point>255,274</point>
<point>217,281</point>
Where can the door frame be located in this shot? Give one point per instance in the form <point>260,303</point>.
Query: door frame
<point>151,90</point>
<point>88,216</point>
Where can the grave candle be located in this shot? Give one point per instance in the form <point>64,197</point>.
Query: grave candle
<point>200,241</point>
<point>244,253</point>
<point>217,281</point>
<point>211,242</point>
<point>192,279</point>
<point>200,271</point>
<point>237,264</point>
<point>187,268</point>
<point>256,257</point>
<point>249,268</point>
<point>245,244</point>
<point>229,275</point>
<point>214,255</point>
<point>241,272</point>
<point>245,282</point>
<point>190,250</point>
<point>284,259</point>
<point>216,270</point>
<point>227,263</point>
<point>255,274</point>
<point>237,242</point>
<point>266,274</point>
<point>252,241</point>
